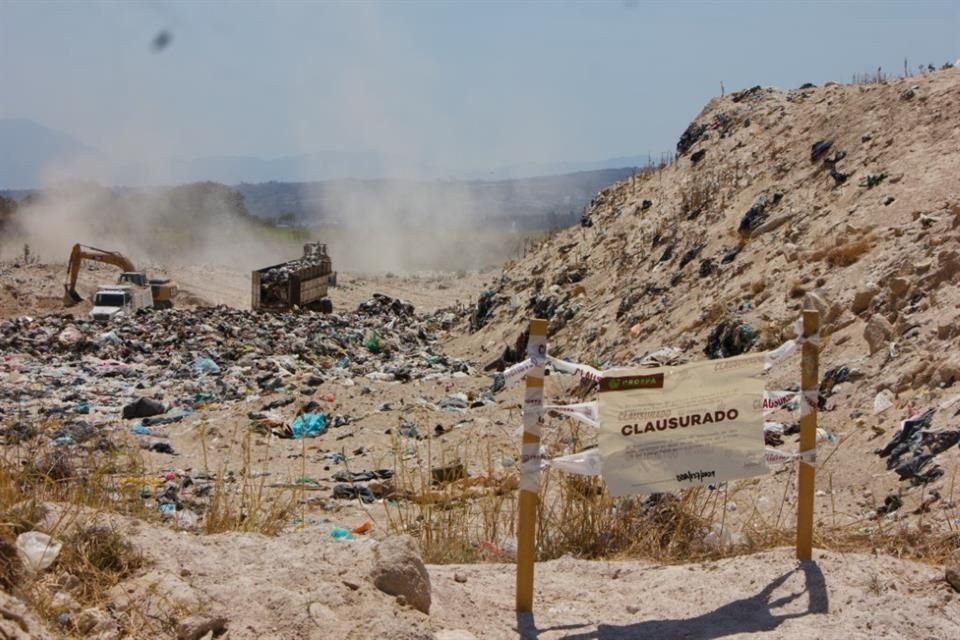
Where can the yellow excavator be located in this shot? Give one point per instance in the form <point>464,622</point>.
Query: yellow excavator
<point>162,292</point>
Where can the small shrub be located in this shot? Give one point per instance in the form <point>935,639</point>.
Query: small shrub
<point>845,254</point>
<point>99,557</point>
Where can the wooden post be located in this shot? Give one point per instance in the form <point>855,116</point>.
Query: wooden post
<point>809,381</point>
<point>530,466</point>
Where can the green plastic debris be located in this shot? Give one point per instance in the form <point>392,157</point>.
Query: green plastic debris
<point>371,341</point>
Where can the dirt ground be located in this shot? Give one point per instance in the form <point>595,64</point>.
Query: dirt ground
<point>307,586</point>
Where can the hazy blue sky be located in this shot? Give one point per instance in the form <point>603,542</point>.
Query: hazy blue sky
<point>466,84</point>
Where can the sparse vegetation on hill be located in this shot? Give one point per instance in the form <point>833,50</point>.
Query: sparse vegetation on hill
<point>839,198</point>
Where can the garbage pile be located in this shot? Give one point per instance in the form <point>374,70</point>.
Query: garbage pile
<point>314,255</point>
<point>172,362</point>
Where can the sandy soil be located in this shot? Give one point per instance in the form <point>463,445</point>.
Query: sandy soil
<point>303,585</point>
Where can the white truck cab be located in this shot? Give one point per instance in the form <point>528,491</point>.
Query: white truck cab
<point>119,299</point>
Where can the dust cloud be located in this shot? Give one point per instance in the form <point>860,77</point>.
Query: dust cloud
<point>405,222</point>
<point>194,224</point>
<point>408,226</point>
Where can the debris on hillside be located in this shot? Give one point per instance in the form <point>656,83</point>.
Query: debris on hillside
<point>730,338</point>
<point>690,137</point>
<point>760,234</point>
<point>915,446</point>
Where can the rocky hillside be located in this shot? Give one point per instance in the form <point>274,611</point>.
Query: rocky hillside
<point>845,198</point>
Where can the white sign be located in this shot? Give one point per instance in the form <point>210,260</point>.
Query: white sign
<point>680,427</point>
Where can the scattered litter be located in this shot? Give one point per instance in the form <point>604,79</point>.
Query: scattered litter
<point>161,447</point>
<point>730,338</point>
<point>362,528</point>
<point>890,504</point>
<point>38,550</point>
<point>339,533</point>
<point>883,401</point>
<point>723,537</point>
<point>819,149</point>
<point>308,425</point>
<point>363,476</point>
<point>205,365</point>
<point>351,492</point>
<point>143,408</point>
<point>914,446</point>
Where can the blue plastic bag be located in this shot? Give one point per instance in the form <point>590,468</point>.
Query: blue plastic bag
<point>205,365</point>
<point>309,425</point>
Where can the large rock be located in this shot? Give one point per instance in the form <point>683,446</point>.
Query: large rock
<point>863,297</point>
<point>899,286</point>
<point>948,266</point>
<point>398,570</point>
<point>952,569</point>
<point>948,371</point>
<point>195,627</point>
<point>877,333</point>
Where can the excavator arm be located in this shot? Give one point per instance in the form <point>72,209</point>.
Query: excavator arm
<point>79,254</point>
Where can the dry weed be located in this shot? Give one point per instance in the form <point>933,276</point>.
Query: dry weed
<point>844,254</point>
<point>242,502</point>
<point>576,516</point>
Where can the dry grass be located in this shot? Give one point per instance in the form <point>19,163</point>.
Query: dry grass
<point>456,522</point>
<point>243,503</point>
<point>576,516</point>
<point>844,254</point>
<point>72,494</point>
<point>98,557</point>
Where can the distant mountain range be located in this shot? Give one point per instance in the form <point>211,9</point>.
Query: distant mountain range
<point>29,152</point>
<point>32,155</point>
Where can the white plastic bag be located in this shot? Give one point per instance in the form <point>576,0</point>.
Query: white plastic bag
<point>38,550</point>
<point>882,401</point>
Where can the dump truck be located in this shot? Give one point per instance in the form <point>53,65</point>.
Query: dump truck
<point>111,301</point>
<point>162,291</point>
<point>300,283</point>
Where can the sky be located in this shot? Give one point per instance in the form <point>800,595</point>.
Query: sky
<point>464,85</point>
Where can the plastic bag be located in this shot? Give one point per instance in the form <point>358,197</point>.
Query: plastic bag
<point>205,365</point>
<point>70,336</point>
<point>882,401</point>
<point>38,550</point>
<point>110,338</point>
<point>362,528</point>
<point>309,425</point>
<point>371,341</point>
<point>724,538</point>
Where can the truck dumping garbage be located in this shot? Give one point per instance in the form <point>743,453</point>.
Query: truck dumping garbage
<point>300,283</point>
